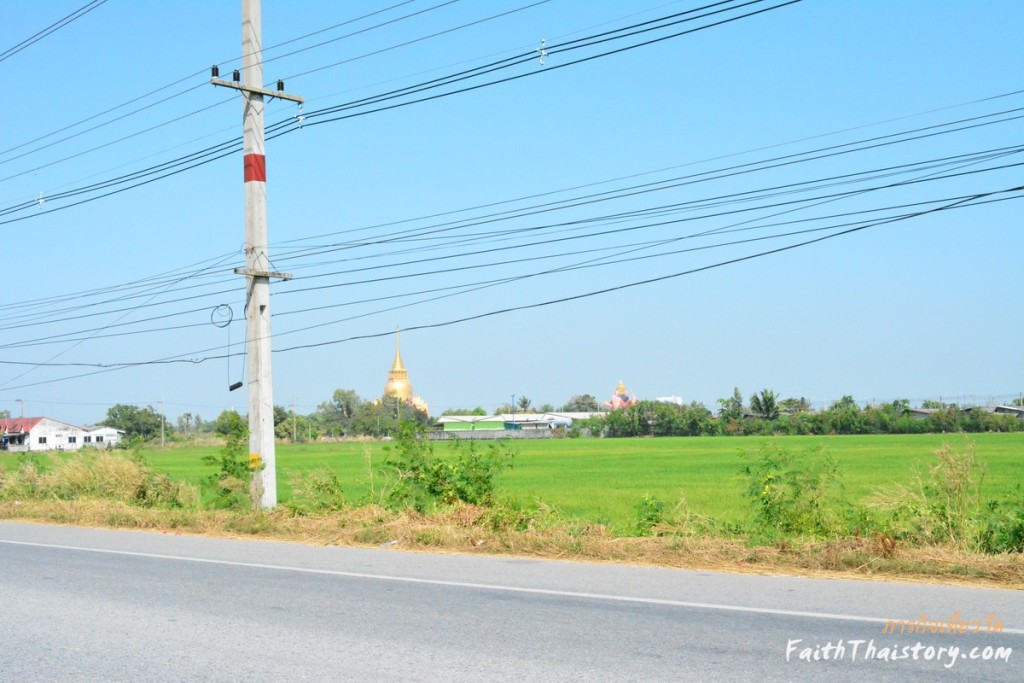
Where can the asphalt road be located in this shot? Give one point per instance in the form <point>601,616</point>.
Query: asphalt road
<point>84,604</point>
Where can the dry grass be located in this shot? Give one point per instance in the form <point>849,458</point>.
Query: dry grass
<point>470,529</point>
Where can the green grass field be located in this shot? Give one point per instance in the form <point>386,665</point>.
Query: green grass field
<point>602,480</point>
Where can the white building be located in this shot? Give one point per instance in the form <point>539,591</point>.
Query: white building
<point>45,434</point>
<point>104,437</point>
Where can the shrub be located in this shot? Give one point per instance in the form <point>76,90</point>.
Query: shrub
<point>650,512</point>
<point>940,506</point>
<point>418,480</point>
<point>315,491</point>
<point>104,476</point>
<point>1002,525</point>
<point>788,496</point>
<point>231,484</point>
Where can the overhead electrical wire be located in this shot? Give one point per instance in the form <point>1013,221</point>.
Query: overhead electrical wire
<point>203,157</point>
<point>180,358</point>
<point>78,342</point>
<point>49,30</point>
<point>674,182</point>
<point>532,258</point>
<point>576,203</point>
<point>188,78</point>
<point>413,41</point>
<point>804,153</point>
<point>476,286</point>
<point>226,100</point>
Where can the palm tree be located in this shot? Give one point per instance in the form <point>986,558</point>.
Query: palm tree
<point>523,403</point>
<point>765,404</point>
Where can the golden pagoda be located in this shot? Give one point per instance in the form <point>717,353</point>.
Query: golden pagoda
<point>398,385</point>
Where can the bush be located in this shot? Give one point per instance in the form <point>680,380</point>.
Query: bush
<point>231,484</point>
<point>316,491</point>
<point>791,497</point>
<point>650,512</point>
<point>101,476</point>
<point>941,506</point>
<point>419,481</point>
<point>1002,525</point>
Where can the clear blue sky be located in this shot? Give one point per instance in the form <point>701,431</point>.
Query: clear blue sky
<point>915,307</point>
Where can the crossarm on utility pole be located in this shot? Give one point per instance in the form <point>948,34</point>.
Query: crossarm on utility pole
<point>257,91</point>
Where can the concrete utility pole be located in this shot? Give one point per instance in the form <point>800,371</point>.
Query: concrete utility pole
<point>257,259</point>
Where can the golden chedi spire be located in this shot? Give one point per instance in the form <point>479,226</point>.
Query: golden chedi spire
<point>398,384</point>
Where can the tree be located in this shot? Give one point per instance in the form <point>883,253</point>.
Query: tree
<point>185,422</point>
<point>546,408</point>
<point>465,411</point>
<point>731,408</point>
<point>581,403</point>
<point>230,425</point>
<point>764,405</point>
<point>5,414</point>
<point>936,405</point>
<point>523,404</point>
<point>383,418</point>
<point>282,423</point>
<point>135,422</point>
<point>845,403</point>
<point>292,426</point>
<point>337,414</point>
<point>795,406</point>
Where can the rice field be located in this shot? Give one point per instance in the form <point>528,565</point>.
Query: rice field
<point>602,480</point>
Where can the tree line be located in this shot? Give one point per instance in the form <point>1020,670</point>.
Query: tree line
<point>347,414</point>
<point>765,414</point>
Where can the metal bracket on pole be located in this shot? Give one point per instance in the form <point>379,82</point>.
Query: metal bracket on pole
<point>257,91</point>
<point>263,273</point>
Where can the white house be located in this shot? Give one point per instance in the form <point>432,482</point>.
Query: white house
<point>46,434</point>
<point>104,437</point>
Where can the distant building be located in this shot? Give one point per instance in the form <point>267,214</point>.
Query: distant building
<point>1009,410</point>
<point>23,434</point>
<point>399,386</point>
<point>509,421</point>
<point>104,437</point>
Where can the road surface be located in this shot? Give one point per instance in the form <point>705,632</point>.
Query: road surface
<point>86,604</point>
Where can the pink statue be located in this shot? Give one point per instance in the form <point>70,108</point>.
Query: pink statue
<point>620,399</point>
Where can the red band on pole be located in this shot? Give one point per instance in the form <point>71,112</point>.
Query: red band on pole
<point>255,168</point>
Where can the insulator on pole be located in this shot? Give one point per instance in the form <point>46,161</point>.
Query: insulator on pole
<point>280,85</point>
<point>236,76</point>
<point>214,71</point>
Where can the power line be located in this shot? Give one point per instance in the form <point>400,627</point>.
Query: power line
<point>647,211</point>
<point>52,28</point>
<point>179,359</point>
<point>290,125</point>
<point>641,246</point>
<point>417,40</point>
<point>183,92</point>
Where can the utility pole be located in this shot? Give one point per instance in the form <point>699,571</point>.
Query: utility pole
<point>162,420</point>
<point>257,258</point>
